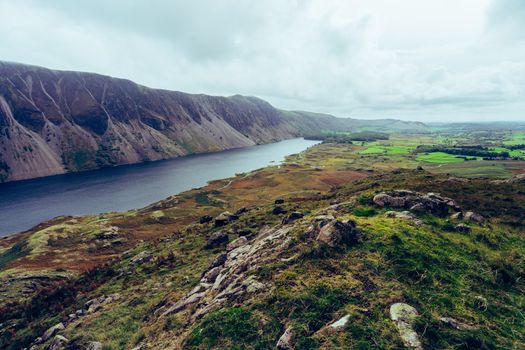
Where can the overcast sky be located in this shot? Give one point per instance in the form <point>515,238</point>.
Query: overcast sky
<point>428,60</point>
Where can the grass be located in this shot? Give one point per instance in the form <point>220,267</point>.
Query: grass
<point>440,158</point>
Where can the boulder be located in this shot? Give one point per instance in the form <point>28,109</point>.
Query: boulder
<point>292,217</point>
<point>239,242</point>
<point>385,200</point>
<point>462,228</point>
<point>279,201</point>
<point>217,239</point>
<point>94,345</point>
<point>474,217</point>
<point>404,316</point>
<point>338,232</point>
<point>211,275</point>
<point>285,341</point>
<point>225,218</point>
<point>52,331</point>
<point>241,211</point>
<point>278,210</point>
<point>59,342</point>
<point>204,219</point>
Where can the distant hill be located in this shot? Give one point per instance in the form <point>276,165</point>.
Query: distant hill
<point>53,122</point>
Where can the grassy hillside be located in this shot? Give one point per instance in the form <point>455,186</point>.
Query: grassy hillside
<point>313,243</point>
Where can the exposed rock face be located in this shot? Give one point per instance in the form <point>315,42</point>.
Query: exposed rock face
<point>334,327</point>
<point>53,122</point>
<point>404,316</point>
<point>231,276</point>
<point>417,202</point>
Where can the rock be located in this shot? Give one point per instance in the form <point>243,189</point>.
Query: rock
<point>404,316</point>
<point>225,218</point>
<point>457,216</point>
<point>219,261</point>
<point>278,210</point>
<point>52,331</point>
<point>285,341</point>
<point>292,217</point>
<point>94,304</point>
<point>474,217</point>
<point>205,219</point>
<point>142,258</point>
<point>405,215</point>
<point>419,168</point>
<point>481,302</point>
<point>385,200</point>
<point>462,228</point>
<point>252,285</point>
<point>58,342</point>
<point>241,211</point>
<point>339,232</point>
<point>456,324</point>
<point>239,242</point>
<point>279,201</point>
<point>211,275</point>
<point>94,345</point>
<point>324,218</point>
<point>334,327</point>
<point>217,239</point>
<point>245,232</point>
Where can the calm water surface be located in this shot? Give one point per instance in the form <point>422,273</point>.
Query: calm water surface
<point>24,204</point>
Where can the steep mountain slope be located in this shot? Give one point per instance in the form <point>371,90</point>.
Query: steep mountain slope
<point>53,122</point>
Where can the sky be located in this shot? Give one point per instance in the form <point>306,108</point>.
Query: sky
<point>426,60</point>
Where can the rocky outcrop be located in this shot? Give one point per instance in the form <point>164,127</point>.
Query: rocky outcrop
<point>285,340</point>
<point>334,327</point>
<point>404,215</point>
<point>231,276</point>
<point>217,239</point>
<point>225,218</point>
<point>431,203</point>
<point>404,316</point>
<point>474,217</point>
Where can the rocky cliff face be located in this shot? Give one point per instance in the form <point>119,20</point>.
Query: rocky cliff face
<point>52,122</point>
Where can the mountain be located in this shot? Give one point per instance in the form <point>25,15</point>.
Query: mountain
<point>52,122</point>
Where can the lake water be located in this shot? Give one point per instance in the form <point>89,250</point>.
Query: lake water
<point>24,204</point>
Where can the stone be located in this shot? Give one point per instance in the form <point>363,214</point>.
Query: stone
<point>241,211</point>
<point>218,261</point>
<point>225,218</point>
<point>385,200</point>
<point>474,217</point>
<point>279,201</point>
<point>324,218</point>
<point>94,345</point>
<point>292,217</point>
<point>142,258</point>
<point>52,331</point>
<point>334,327</point>
<point>217,239</point>
<point>457,324</point>
<point>211,275</point>
<point>239,242</point>
<point>285,341</point>
<point>58,342</point>
<point>205,219</point>
<point>278,210</point>
<point>457,216</point>
<point>462,228</point>
<point>339,232</point>
<point>405,215</point>
<point>404,316</point>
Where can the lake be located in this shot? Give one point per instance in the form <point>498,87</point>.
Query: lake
<point>24,204</point>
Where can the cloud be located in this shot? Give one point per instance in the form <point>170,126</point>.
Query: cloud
<point>411,59</point>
